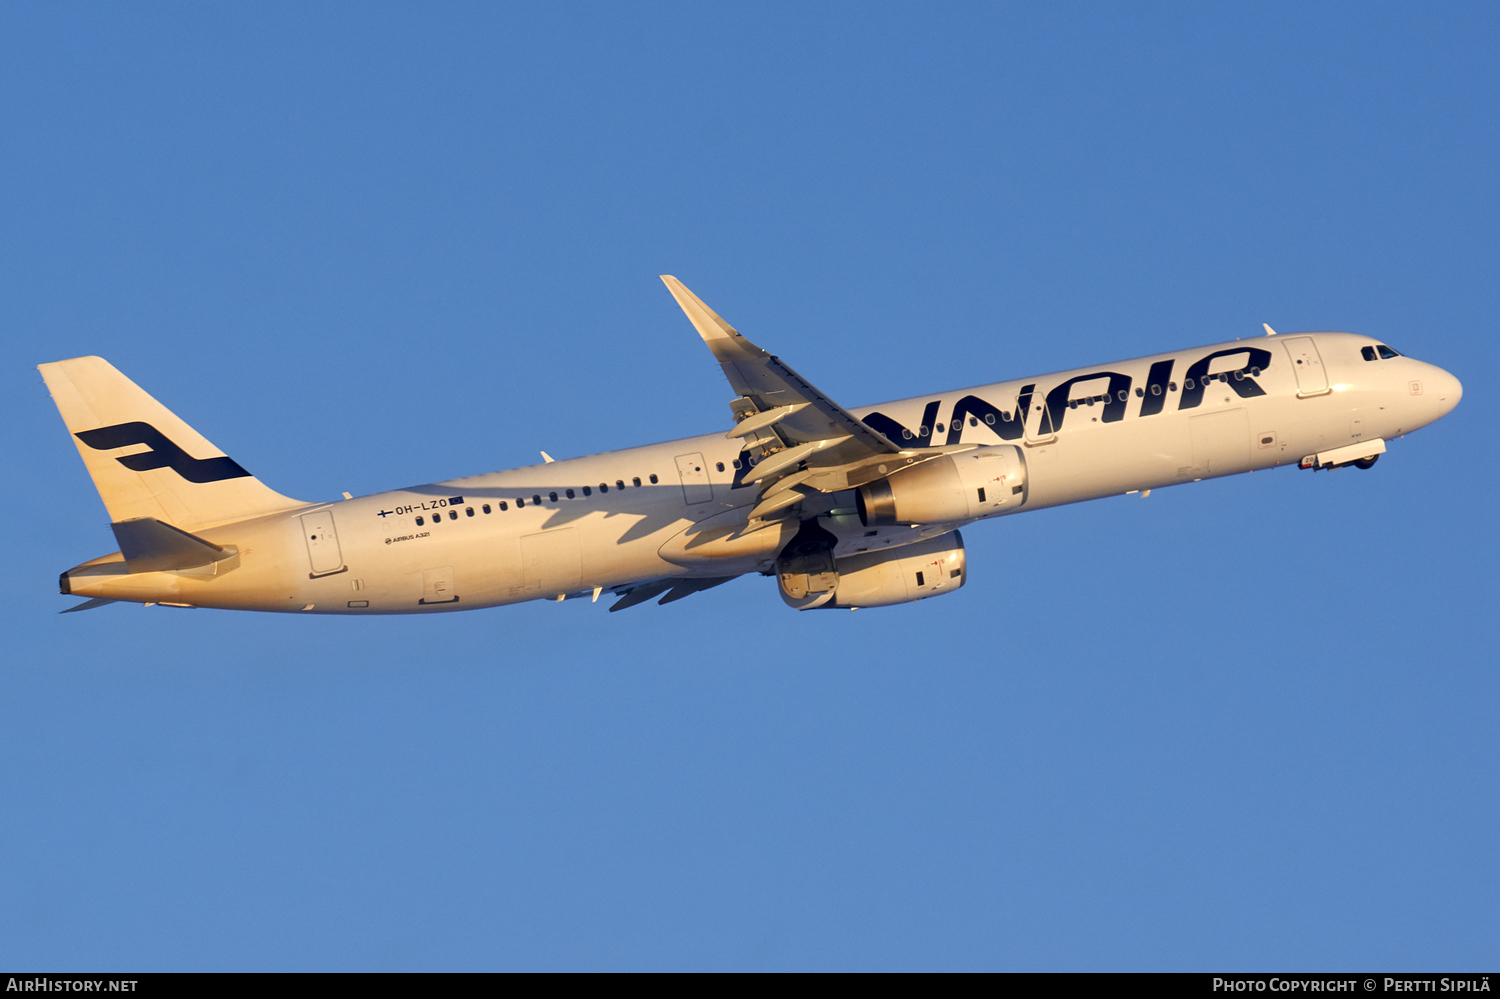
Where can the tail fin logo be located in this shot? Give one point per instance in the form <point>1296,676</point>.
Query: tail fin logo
<point>163,454</point>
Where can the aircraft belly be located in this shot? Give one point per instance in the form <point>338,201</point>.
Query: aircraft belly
<point>721,546</point>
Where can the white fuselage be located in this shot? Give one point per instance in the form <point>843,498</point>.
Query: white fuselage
<point>504,537</point>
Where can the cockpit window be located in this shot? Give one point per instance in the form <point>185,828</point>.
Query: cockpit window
<point>1386,352</point>
<point>1368,353</point>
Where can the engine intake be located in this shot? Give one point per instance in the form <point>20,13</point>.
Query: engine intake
<point>984,482</point>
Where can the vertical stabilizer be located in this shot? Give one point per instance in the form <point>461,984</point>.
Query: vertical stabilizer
<point>146,462</point>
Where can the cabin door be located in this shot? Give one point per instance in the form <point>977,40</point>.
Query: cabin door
<point>1312,377</point>
<point>322,543</point>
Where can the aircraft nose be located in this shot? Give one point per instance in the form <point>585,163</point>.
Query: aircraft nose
<point>1448,389</point>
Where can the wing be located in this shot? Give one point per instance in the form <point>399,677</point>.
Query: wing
<point>798,437</point>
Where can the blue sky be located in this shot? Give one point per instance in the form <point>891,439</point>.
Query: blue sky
<point>1246,724</point>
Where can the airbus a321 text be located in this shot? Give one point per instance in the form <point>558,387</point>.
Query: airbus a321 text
<point>845,508</point>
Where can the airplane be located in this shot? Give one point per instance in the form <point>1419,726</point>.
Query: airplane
<point>845,508</point>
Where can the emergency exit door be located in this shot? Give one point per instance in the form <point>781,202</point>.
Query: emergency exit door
<point>693,471</point>
<point>1031,407</point>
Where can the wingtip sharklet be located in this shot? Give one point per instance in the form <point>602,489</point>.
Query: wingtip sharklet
<point>709,324</point>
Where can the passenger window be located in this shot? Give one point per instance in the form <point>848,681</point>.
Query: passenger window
<point>973,422</point>
<point>587,491</point>
<point>452,514</point>
<point>1140,392</point>
<point>420,521</point>
<point>620,483</point>
<point>939,428</point>
<point>520,503</point>
<point>719,466</point>
<point>1387,353</point>
<point>469,512</point>
<point>552,497</point>
<point>637,480</point>
<point>536,500</point>
<point>604,487</point>
<point>486,508</point>
<point>503,506</point>
<point>653,478</point>
<point>568,493</point>
<point>989,418</point>
<point>1368,353</point>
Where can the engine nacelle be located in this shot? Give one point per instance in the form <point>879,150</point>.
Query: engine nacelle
<point>879,579</point>
<point>983,482</point>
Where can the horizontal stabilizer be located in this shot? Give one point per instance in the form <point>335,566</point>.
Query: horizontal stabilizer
<point>89,605</point>
<point>151,546</point>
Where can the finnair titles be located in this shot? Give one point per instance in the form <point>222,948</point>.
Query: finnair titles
<point>844,508</point>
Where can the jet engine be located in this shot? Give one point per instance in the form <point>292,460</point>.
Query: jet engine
<point>968,485</point>
<point>875,579</point>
